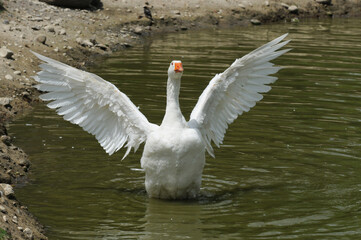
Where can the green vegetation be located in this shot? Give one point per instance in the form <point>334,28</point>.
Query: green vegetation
<point>3,233</point>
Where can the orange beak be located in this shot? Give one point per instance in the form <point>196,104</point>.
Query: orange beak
<point>178,67</point>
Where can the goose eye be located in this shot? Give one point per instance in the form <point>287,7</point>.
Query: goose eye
<point>171,63</point>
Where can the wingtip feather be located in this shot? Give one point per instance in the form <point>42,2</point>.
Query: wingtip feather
<point>280,38</point>
<point>41,57</point>
<point>127,152</point>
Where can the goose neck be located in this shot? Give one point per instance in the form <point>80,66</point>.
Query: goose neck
<point>173,89</point>
<point>173,113</point>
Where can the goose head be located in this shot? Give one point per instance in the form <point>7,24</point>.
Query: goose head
<point>175,69</point>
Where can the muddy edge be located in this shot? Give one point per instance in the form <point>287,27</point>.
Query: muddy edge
<point>83,37</point>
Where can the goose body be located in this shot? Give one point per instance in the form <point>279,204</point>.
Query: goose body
<point>173,161</point>
<point>174,153</point>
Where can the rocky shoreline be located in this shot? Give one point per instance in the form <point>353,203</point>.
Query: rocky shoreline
<point>81,37</point>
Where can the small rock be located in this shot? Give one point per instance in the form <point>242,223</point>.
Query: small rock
<point>58,21</point>
<point>36,19</point>
<point>56,49</point>
<point>266,3</point>
<point>5,218</point>
<point>293,9</point>
<point>93,40</point>
<point>49,28</point>
<point>9,77</point>
<point>255,21</point>
<point>236,11</point>
<point>177,12</point>
<point>69,3</point>
<point>62,32</point>
<point>25,95</point>
<point>126,45</point>
<point>3,209</point>
<point>41,39</point>
<point>28,233</point>
<point>79,40</point>
<point>285,5</point>
<point>15,219</point>
<point>6,22</point>
<point>326,2</point>
<point>8,190</point>
<point>87,43</point>
<point>329,13</point>
<point>24,162</point>
<point>102,46</point>
<point>36,28</point>
<point>138,30</point>
<point>184,28</point>
<point>6,53</point>
<point>295,20</point>
<point>6,139</point>
<point>17,72</point>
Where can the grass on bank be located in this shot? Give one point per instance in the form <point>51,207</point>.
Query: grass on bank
<point>3,233</point>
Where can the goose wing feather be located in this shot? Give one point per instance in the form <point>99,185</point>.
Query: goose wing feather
<point>94,104</point>
<point>235,91</point>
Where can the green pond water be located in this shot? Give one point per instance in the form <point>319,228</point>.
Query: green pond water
<point>288,169</point>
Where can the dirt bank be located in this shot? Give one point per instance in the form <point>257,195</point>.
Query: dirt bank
<point>82,37</point>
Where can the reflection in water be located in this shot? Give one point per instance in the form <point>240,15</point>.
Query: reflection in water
<point>172,220</point>
<point>290,168</point>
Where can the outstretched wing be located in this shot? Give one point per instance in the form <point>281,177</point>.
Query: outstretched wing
<point>94,104</point>
<point>235,91</point>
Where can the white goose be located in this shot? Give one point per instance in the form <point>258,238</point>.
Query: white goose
<point>174,152</point>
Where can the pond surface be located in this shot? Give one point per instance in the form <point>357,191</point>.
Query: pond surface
<point>288,169</point>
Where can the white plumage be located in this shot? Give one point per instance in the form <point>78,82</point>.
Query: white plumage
<point>174,152</point>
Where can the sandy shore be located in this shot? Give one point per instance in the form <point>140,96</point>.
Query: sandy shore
<point>83,37</point>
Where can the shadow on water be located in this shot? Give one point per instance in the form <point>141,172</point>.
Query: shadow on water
<point>205,196</point>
